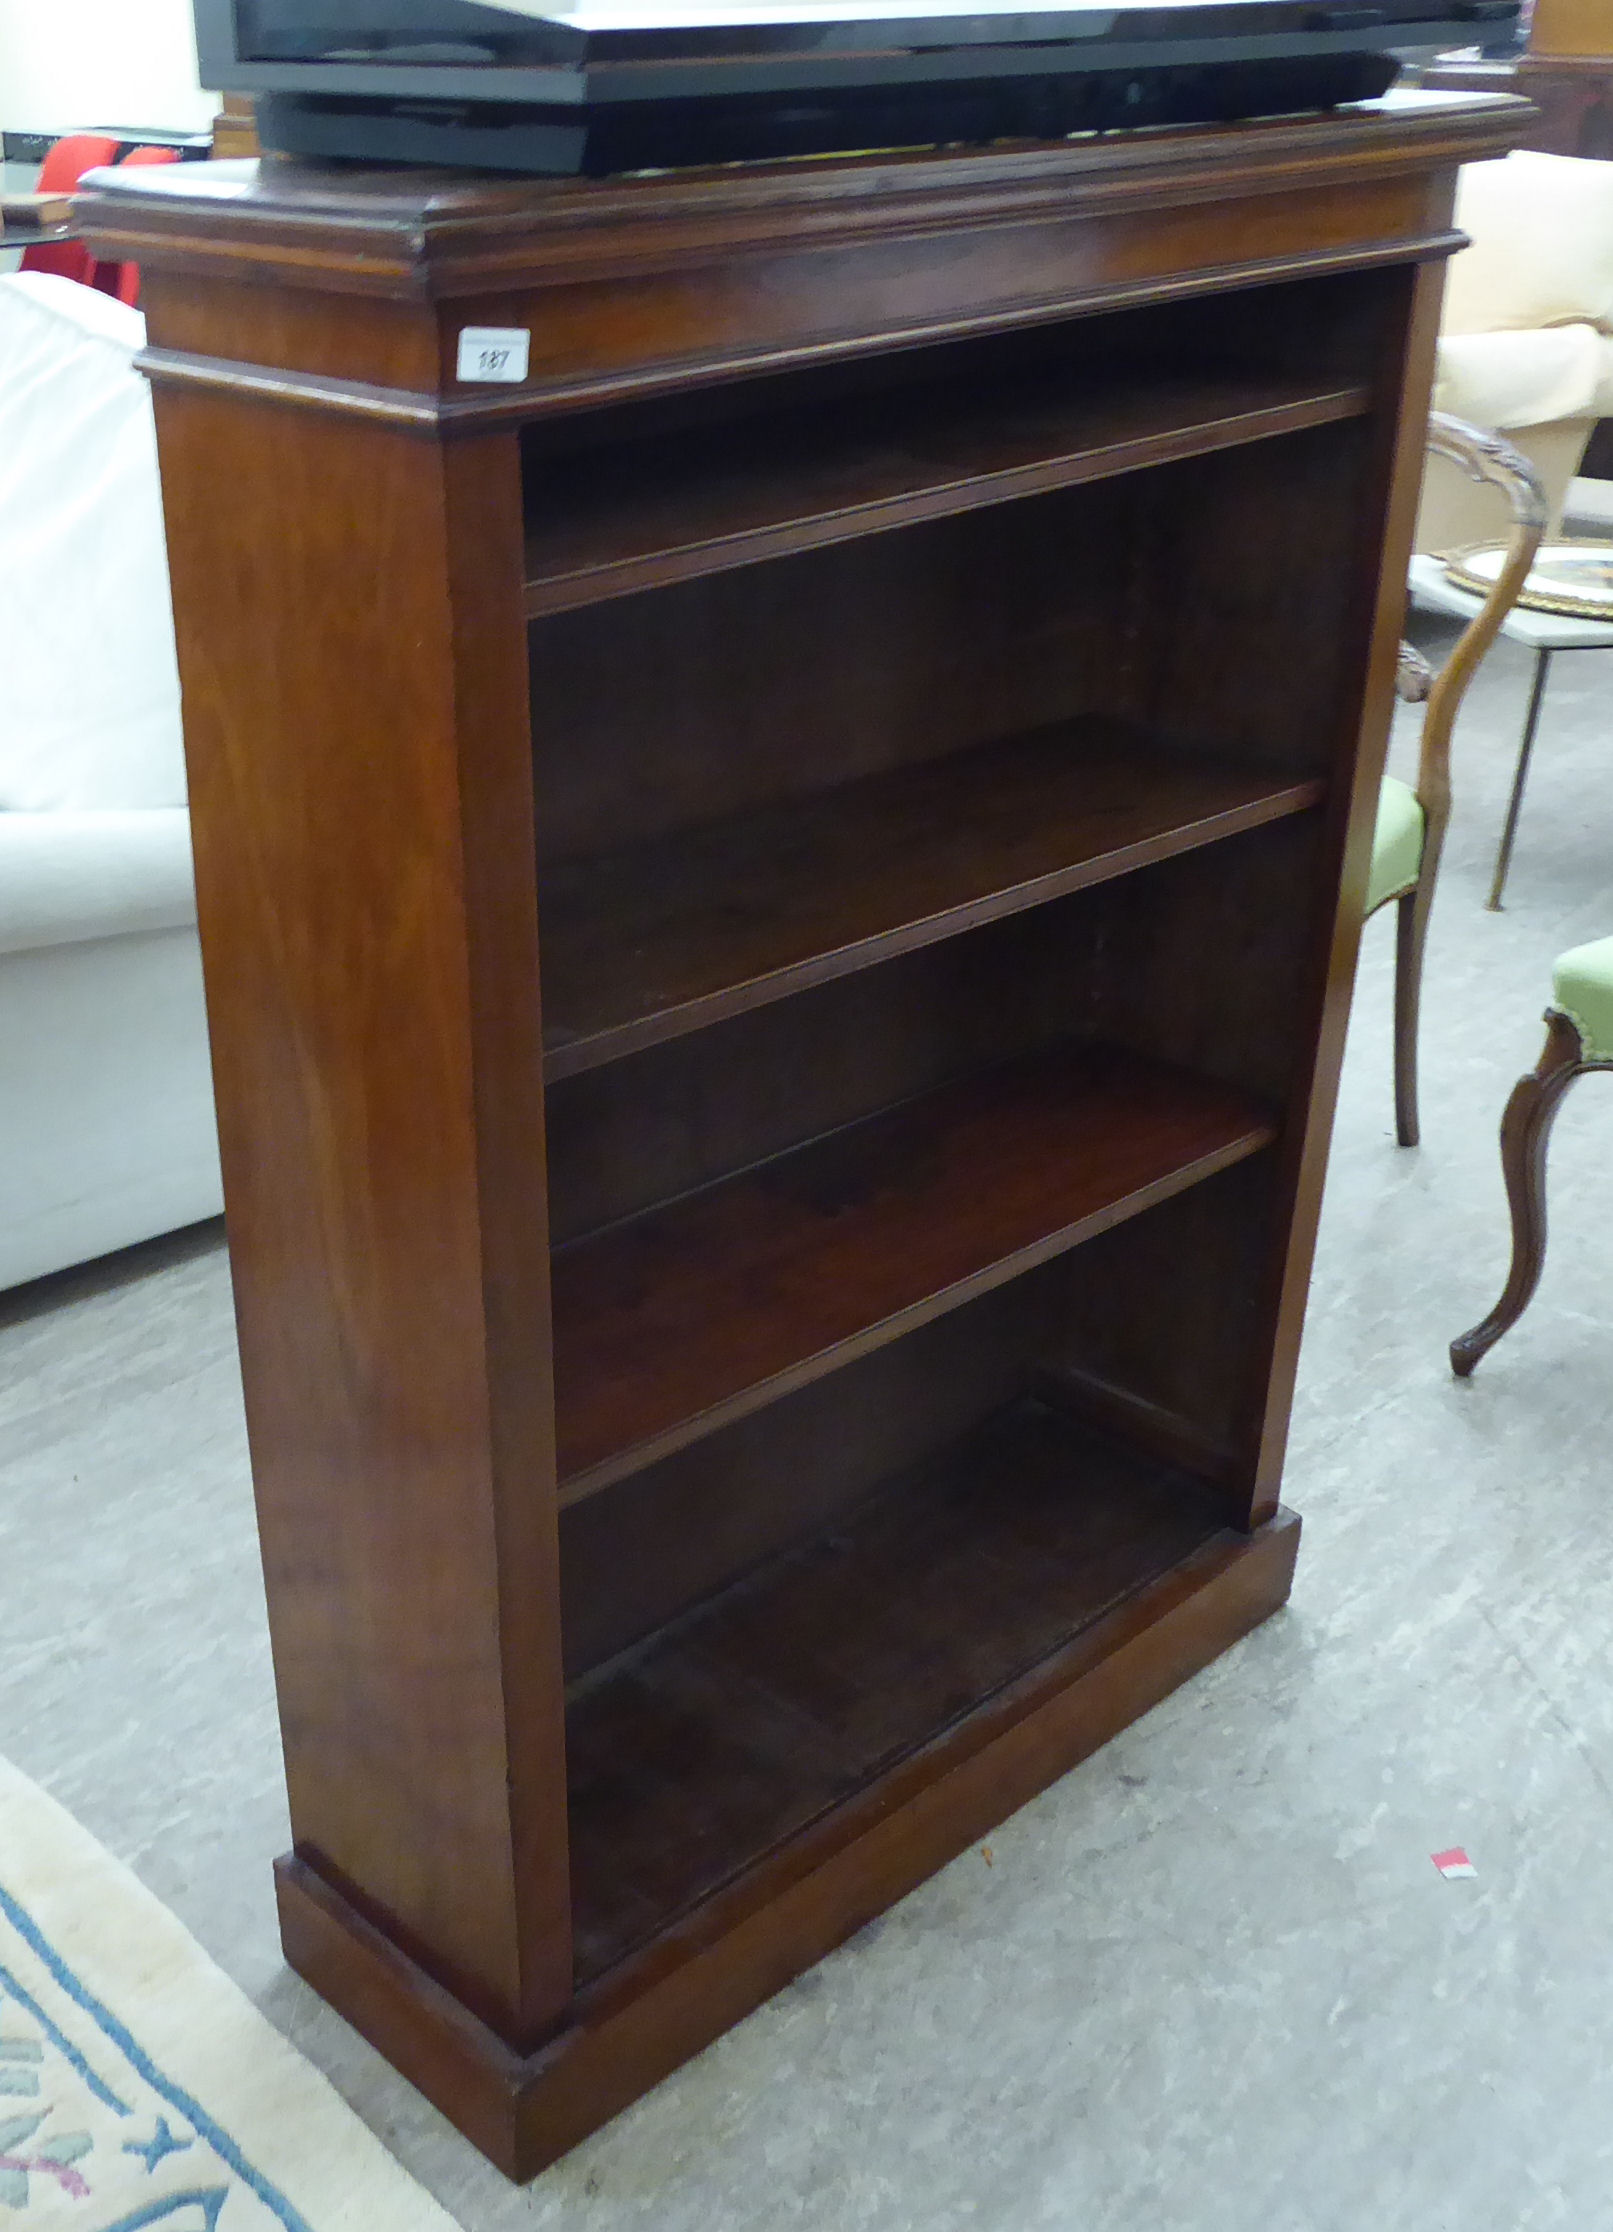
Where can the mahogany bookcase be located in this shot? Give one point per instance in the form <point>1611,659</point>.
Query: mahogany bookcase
<point>779,897</point>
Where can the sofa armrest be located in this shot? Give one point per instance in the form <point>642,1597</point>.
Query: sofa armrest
<point>1505,380</point>
<point>67,877</point>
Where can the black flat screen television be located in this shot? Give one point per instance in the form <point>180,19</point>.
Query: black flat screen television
<point>565,86</point>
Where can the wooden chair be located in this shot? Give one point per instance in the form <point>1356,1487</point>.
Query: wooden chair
<point>1543,635</point>
<point>1579,1038</point>
<point>1410,833</point>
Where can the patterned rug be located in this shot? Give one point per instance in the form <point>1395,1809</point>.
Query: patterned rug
<point>138,2086</point>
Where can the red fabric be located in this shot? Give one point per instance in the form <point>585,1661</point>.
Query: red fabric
<point>127,285</point>
<point>63,167</point>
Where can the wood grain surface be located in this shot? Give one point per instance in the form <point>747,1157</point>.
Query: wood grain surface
<point>698,1755</point>
<point>941,856</point>
<point>747,1941</point>
<point>672,1324</point>
<point>661,939</point>
<point>604,524</point>
<point>369,903</point>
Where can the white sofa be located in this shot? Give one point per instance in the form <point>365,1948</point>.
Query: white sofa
<point>106,1111</point>
<point>1526,333</point>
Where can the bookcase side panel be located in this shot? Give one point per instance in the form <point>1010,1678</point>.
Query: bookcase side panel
<point>351,653</point>
<point>1371,630</point>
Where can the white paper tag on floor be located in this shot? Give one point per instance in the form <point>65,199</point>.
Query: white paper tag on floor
<point>1453,1863</point>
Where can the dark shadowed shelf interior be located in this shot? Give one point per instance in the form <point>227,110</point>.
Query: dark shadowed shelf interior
<point>645,944</point>
<point>604,522</point>
<point>694,1756</point>
<point>670,1324</point>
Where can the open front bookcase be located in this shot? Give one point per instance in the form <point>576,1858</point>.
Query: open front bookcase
<point>778,902</point>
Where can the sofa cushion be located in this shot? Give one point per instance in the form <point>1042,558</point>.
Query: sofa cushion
<point>1541,228</point>
<point>89,692</point>
<point>65,877</point>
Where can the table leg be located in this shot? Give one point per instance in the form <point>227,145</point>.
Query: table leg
<point>1503,858</point>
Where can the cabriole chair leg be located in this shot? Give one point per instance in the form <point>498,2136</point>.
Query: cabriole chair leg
<point>1525,1131</point>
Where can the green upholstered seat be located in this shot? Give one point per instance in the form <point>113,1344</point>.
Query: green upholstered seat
<point>1397,842</point>
<point>1582,986</point>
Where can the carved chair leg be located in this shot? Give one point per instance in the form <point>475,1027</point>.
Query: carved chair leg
<point>1525,1130</point>
<point>1411,934</point>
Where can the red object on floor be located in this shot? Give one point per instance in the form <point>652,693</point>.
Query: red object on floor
<point>1453,1863</point>
<point>60,173</point>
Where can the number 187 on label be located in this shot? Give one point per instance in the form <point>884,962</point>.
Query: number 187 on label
<point>494,353</point>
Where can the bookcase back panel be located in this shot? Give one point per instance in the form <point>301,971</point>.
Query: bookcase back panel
<point>1158,592</point>
<point>1167,1315</point>
<point>1152,1328</point>
<point>1198,961</point>
<point>691,703</point>
<point>1206,960</point>
<point>1252,565</point>
<point>641,1552</point>
<point>715,698</point>
<point>679,1116</point>
<point>1332,327</point>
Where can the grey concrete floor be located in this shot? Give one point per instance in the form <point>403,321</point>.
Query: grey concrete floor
<point>1209,1980</point>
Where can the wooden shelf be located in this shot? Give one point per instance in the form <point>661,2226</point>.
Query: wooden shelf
<point>608,523</point>
<point>699,1753</point>
<point>671,1324</point>
<point>648,943</point>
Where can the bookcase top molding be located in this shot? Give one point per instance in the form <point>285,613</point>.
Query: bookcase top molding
<point>638,286</point>
<point>418,233</point>
<point>427,233</point>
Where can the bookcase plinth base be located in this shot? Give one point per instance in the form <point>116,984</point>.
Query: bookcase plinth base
<point>639,2021</point>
